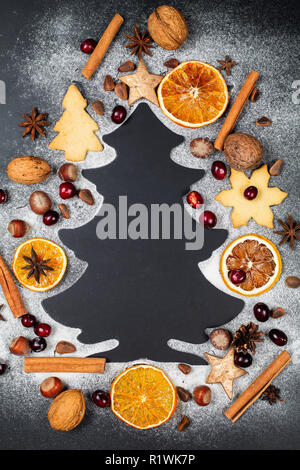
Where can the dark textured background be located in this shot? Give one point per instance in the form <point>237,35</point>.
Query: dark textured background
<point>258,20</point>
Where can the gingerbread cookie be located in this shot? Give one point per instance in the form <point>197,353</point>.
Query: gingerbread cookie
<point>76,129</point>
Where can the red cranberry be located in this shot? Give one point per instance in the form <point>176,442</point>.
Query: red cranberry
<point>194,199</point>
<point>219,170</point>
<point>101,398</point>
<point>28,320</point>
<point>3,196</point>
<point>261,312</point>
<point>38,344</point>
<point>67,190</point>
<point>237,276</point>
<point>278,337</point>
<point>208,219</point>
<point>118,114</point>
<point>2,368</point>
<point>50,217</point>
<point>88,46</point>
<point>242,359</point>
<point>250,193</point>
<point>42,329</point>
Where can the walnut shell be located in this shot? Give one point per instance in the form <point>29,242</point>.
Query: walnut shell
<point>243,151</point>
<point>67,410</point>
<point>167,27</point>
<point>28,170</point>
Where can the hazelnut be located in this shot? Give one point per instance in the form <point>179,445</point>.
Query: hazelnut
<point>20,346</point>
<point>51,387</point>
<point>18,228</point>
<point>68,172</point>
<point>202,395</point>
<point>40,202</point>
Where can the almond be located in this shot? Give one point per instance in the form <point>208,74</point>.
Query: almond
<point>86,196</point>
<point>121,91</point>
<point>67,410</point>
<point>64,347</point>
<point>128,66</point>
<point>98,107</point>
<point>171,63</point>
<point>184,423</point>
<point>275,169</point>
<point>109,84</point>
<point>64,211</point>
<point>28,170</point>
<point>184,368</point>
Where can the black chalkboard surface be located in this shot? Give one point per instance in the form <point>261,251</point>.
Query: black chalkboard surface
<point>142,292</point>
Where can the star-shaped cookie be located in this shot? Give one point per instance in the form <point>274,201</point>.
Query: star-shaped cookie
<point>224,371</point>
<point>257,208</point>
<point>142,84</point>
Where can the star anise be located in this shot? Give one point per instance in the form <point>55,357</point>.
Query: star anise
<point>35,123</point>
<point>36,267</point>
<point>139,42</point>
<point>226,65</point>
<point>290,232</point>
<point>246,337</point>
<point>271,394</point>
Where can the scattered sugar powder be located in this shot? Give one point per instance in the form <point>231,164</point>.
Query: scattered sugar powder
<point>51,63</point>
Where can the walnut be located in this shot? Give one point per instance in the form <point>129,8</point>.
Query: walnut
<point>67,410</point>
<point>243,151</point>
<point>28,170</point>
<point>167,27</point>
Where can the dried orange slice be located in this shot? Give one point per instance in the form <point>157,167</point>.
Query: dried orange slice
<point>39,264</point>
<point>193,94</point>
<point>258,258</point>
<point>143,397</point>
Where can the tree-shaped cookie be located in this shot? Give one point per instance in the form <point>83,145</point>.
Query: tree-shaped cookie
<point>251,197</point>
<point>76,129</point>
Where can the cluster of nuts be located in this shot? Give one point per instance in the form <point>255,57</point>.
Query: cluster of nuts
<point>67,410</point>
<point>201,396</point>
<point>41,204</point>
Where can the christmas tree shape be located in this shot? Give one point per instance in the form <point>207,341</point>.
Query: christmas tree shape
<point>76,128</point>
<point>142,292</point>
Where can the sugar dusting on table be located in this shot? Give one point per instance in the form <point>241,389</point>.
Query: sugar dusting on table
<point>49,69</point>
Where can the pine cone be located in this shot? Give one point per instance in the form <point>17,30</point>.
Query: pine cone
<point>246,337</point>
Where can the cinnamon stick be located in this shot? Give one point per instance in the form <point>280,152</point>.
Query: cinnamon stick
<point>253,392</point>
<point>90,365</point>
<point>236,109</point>
<point>102,46</point>
<point>11,291</point>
